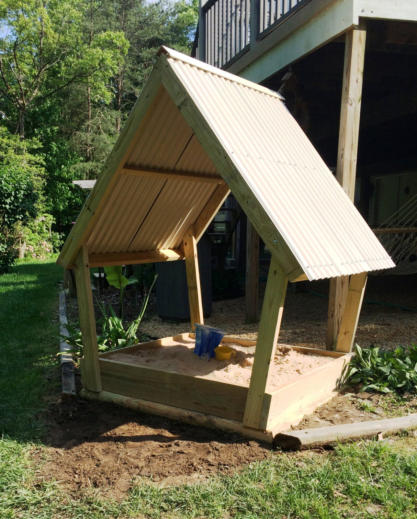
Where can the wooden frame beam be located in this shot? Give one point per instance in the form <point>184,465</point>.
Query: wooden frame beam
<point>193,278</point>
<point>273,305</point>
<point>252,273</point>
<point>355,44</point>
<point>167,174</point>
<point>134,258</point>
<point>90,365</point>
<point>351,312</point>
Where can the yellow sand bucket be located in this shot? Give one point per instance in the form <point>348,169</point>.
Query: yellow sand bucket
<point>224,352</point>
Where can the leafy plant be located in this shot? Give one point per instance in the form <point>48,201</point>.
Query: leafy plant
<point>383,371</point>
<point>115,334</point>
<point>116,279</point>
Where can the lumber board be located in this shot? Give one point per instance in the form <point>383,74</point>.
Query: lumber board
<point>171,174</point>
<point>352,312</point>
<point>103,187</point>
<point>175,389</point>
<point>91,369</point>
<point>347,155</point>
<point>308,438</point>
<point>183,415</point>
<point>252,274</point>
<point>222,158</point>
<point>193,278</point>
<point>291,402</point>
<point>134,258</point>
<point>270,323</point>
<point>338,288</point>
<point>210,210</point>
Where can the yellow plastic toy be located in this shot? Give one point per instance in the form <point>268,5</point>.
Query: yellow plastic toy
<point>224,352</point>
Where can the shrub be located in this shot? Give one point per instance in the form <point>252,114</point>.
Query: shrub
<point>383,371</point>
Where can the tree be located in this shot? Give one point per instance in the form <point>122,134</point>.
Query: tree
<point>44,51</point>
<point>21,177</point>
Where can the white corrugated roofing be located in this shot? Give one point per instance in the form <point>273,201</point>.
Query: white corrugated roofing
<point>200,121</point>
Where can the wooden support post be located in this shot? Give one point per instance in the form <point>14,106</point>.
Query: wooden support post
<point>252,273</point>
<point>271,316</point>
<point>355,43</point>
<point>193,278</point>
<point>91,370</point>
<point>351,312</point>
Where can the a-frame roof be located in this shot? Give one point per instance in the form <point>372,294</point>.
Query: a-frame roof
<point>195,132</point>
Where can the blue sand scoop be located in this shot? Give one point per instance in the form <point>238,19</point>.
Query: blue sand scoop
<point>206,340</point>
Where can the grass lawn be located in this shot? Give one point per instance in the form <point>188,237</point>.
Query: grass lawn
<point>361,480</point>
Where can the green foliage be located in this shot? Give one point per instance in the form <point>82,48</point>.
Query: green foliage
<point>20,190</point>
<point>39,238</point>
<point>114,333</point>
<point>383,371</point>
<point>116,279</point>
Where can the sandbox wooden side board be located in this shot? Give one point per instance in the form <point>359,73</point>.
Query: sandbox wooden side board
<point>213,403</point>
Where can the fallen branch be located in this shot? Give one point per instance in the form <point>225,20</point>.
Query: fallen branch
<point>308,438</point>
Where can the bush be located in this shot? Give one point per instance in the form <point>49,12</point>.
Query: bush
<point>383,371</point>
<point>38,236</point>
<point>18,198</point>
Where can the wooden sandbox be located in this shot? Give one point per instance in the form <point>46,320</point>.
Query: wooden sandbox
<point>191,389</point>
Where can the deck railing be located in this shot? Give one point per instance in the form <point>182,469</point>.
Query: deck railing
<point>228,27</point>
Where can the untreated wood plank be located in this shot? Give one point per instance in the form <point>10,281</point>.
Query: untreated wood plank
<point>308,438</point>
<point>351,312</point>
<point>170,388</point>
<point>291,402</point>
<point>354,61</point>
<point>183,415</point>
<point>252,274</point>
<point>168,174</point>
<point>210,210</point>
<point>134,258</point>
<point>271,316</point>
<point>193,278</point>
<point>91,370</point>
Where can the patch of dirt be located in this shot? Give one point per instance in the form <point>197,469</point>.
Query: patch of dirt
<point>358,407</point>
<point>98,445</point>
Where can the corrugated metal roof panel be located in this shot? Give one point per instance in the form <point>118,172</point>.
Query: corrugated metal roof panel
<point>321,226</point>
<point>276,168</point>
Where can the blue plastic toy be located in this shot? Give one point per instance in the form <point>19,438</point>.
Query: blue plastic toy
<point>207,339</point>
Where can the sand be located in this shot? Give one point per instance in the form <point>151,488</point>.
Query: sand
<point>180,358</point>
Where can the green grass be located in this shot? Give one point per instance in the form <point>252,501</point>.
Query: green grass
<point>364,480</point>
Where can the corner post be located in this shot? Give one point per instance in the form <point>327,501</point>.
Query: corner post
<point>193,278</point>
<point>355,43</point>
<point>252,273</point>
<point>254,22</point>
<point>91,369</point>
<point>352,312</point>
<point>272,309</point>
<point>202,33</point>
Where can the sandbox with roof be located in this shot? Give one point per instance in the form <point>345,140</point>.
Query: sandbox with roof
<point>195,135</point>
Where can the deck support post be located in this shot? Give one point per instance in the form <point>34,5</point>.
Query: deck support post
<point>272,308</point>
<point>355,43</point>
<point>351,312</point>
<point>193,278</point>
<point>90,367</point>
<point>252,273</point>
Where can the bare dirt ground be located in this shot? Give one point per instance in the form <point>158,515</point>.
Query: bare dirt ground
<point>96,445</point>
